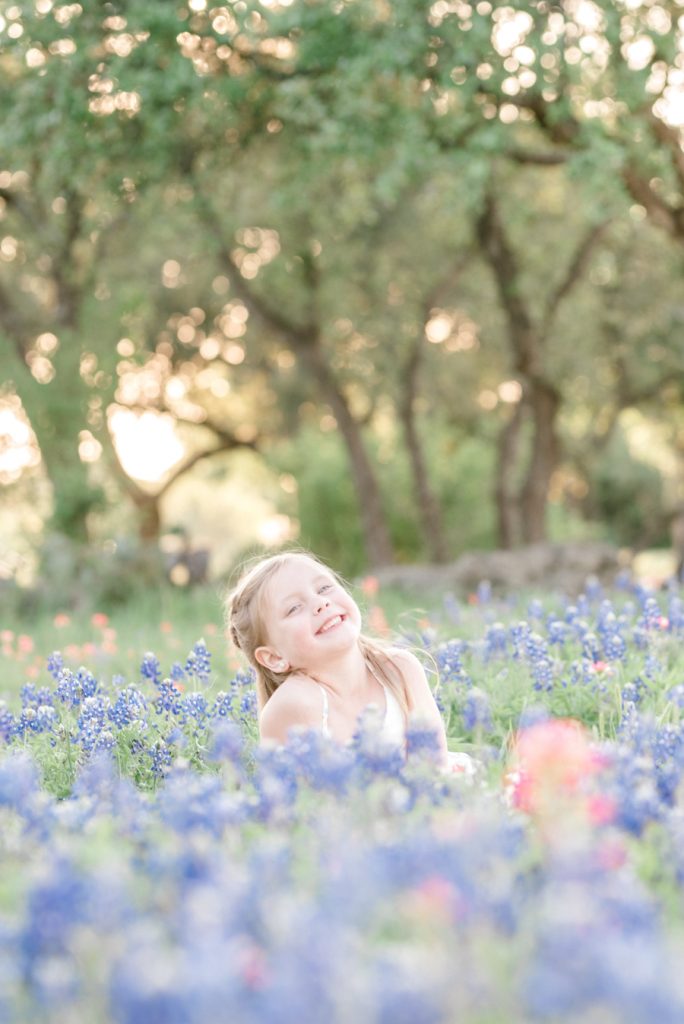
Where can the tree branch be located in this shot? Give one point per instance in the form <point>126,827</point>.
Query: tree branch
<point>550,158</point>
<point>294,332</point>
<point>573,274</point>
<point>504,264</point>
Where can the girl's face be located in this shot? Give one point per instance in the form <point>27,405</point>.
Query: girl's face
<point>308,616</point>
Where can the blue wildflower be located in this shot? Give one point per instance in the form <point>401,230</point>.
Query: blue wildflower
<point>150,668</point>
<point>198,663</point>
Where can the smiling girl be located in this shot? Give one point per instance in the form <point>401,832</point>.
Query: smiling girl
<point>300,628</point>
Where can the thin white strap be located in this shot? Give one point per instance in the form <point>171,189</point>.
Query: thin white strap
<point>325,707</point>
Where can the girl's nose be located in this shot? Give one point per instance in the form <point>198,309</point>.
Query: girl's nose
<point>321,602</point>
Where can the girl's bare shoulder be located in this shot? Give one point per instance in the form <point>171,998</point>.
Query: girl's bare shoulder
<point>404,660</point>
<point>297,700</point>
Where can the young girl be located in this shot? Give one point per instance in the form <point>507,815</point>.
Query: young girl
<point>300,628</point>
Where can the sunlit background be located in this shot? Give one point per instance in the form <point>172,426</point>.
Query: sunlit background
<point>398,300</point>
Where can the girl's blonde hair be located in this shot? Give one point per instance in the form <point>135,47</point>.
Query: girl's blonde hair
<point>245,622</point>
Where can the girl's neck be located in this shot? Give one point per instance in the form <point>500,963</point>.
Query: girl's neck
<point>344,675</point>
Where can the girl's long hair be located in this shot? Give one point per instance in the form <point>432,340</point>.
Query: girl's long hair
<point>244,614</point>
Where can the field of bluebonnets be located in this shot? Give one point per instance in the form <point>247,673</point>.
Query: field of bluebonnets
<point>157,866</point>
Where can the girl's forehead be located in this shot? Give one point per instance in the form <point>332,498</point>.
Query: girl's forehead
<point>297,571</point>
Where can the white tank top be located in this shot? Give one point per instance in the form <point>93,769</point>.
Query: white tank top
<point>392,729</point>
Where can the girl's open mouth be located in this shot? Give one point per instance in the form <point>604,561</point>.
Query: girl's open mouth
<point>330,623</point>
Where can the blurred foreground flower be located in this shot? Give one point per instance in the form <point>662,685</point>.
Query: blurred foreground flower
<point>554,775</point>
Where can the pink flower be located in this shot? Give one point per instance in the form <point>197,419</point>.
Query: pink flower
<point>602,809</point>
<point>551,762</point>
<point>370,586</point>
<point>99,620</point>
<point>25,643</point>
<point>61,620</point>
<point>377,621</point>
<point>253,967</point>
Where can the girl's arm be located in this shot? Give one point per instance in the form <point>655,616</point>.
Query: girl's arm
<point>424,707</point>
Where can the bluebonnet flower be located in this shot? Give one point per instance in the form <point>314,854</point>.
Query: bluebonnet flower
<point>591,648</point>
<point>170,699</point>
<point>614,647</point>
<point>421,741</point>
<point>276,784</point>
<point>89,684</point>
<point>623,580</point>
<point>150,668</point>
<point>633,692</point>
<point>129,706</point>
<point>583,962</point>
<point>675,612</point>
<point>198,663</point>
<point>222,706</point>
<point>37,719</point>
<point>193,803</point>
<point>450,664</point>
<point>248,706</point>
<point>33,698</point>
<point>93,731</point>
<point>68,688</point>
<point>495,641</point>
<point>55,664</point>
<point>532,715</point>
<point>571,614</point>
<point>640,638</point>
<point>541,665</point>
<point>519,634</point>
<point>452,607</point>
<point>315,760</point>
<point>652,666</point>
<point>7,723</point>
<point>195,706</point>
<point>648,764</point>
<point>19,780</point>
<point>177,673</point>
<point>484,592</point>
<point>227,743</point>
<point>593,588</point>
<point>161,757</point>
<point>676,695</point>
<point>476,712</point>
<point>557,632</point>
<point>375,756</point>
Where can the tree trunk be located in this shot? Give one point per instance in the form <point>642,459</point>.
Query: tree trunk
<point>544,403</point>
<point>149,521</point>
<point>376,534</point>
<point>429,512</point>
<point>507,500</point>
<point>57,413</point>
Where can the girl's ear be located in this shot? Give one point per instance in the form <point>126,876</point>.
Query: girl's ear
<point>270,659</point>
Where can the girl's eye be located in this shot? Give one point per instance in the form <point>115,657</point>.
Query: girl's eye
<point>326,586</point>
<point>292,609</point>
